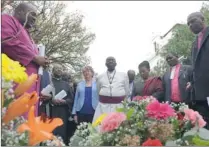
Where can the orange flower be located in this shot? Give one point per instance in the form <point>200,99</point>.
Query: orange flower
<point>20,106</point>
<point>39,130</point>
<point>25,86</point>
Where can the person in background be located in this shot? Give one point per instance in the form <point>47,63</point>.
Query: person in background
<point>200,60</point>
<point>150,86</point>
<point>75,84</point>
<point>86,97</point>
<point>17,43</point>
<point>46,79</point>
<point>131,76</point>
<point>175,80</point>
<point>113,88</point>
<point>61,108</point>
<point>68,78</point>
<point>71,123</point>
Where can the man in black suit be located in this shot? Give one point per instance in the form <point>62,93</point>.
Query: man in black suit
<point>175,80</point>
<point>131,76</point>
<point>200,63</point>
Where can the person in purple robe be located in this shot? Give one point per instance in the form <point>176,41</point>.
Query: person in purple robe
<point>17,42</point>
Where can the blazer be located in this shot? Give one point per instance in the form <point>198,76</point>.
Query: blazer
<point>80,96</point>
<point>184,77</point>
<point>200,61</point>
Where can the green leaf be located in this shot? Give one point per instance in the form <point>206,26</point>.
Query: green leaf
<point>7,102</point>
<point>129,113</point>
<point>120,109</point>
<point>200,142</point>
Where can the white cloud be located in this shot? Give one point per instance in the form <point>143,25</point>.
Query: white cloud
<point>125,29</point>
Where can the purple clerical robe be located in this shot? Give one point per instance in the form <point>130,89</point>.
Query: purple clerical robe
<point>20,48</point>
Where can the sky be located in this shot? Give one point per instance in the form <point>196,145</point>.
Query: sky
<point>125,29</point>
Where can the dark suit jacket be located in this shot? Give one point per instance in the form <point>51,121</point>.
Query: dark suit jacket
<point>200,62</point>
<point>184,77</point>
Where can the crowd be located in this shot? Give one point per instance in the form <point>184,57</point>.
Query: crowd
<point>91,97</point>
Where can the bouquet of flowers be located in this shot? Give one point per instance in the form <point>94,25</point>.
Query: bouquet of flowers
<point>144,122</point>
<point>16,131</point>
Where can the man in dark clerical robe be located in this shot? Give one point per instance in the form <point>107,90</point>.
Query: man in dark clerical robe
<point>17,42</point>
<point>200,60</point>
<point>61,108</point>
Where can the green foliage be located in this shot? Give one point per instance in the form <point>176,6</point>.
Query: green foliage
<point>180,42</point>
<point>182,38</point>
<point>199,141</point>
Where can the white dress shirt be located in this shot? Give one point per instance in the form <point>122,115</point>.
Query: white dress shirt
<point>113,84</point>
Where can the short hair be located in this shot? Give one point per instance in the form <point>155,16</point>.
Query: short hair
<point>131,71</point>
<point>174,54</point>
<point>56,65</point>
<point>144,64</point>
<point>198,14</point>
<point>23,6</point>
<point>88,68</point>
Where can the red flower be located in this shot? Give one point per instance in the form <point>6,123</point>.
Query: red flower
<point>152,142</point>
<point>159,110</point>
<point>180,116</point>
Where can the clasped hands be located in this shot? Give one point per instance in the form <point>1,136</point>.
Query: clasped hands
<point>54,101</point>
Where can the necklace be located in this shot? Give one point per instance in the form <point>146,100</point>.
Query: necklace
<point>110,81</point>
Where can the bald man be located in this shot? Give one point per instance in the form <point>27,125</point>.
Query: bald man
<point>200,60</point>
<point>18,44</point>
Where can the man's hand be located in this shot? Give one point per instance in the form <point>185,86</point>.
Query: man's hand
<point>56,101</point>
<point>44,97</point>
<point>188,86</point>
<point>62,101</point>
<point>40,60</point>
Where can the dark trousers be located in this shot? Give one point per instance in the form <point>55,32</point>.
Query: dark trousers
<point>71,128</point>
<point>203,108</point>
<point>85,118</point>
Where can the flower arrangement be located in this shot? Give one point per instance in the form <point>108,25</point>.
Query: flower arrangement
<point>144,122</point>
<point>16,131</point>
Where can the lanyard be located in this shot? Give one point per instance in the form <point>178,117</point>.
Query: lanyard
<point>110,82</point>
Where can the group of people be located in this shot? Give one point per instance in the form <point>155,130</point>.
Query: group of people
<point>91,97</point>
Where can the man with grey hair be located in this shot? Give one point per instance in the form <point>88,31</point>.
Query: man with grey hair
<point>200,58</point>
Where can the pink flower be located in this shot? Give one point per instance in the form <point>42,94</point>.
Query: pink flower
<point>159,110</point>
<point>112,121</point>
<point>194,117</point>
<point>139,98</point>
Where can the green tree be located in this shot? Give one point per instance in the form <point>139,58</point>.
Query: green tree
<point>182,38</point>
<point>180,42</point>
<point>65,37</point>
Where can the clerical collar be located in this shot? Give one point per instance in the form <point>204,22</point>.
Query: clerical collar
<point>111,71</point>
<point>57,78</point>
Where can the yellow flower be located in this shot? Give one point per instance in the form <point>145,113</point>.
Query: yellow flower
<point>12,70</point>
<point>99,120</point>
